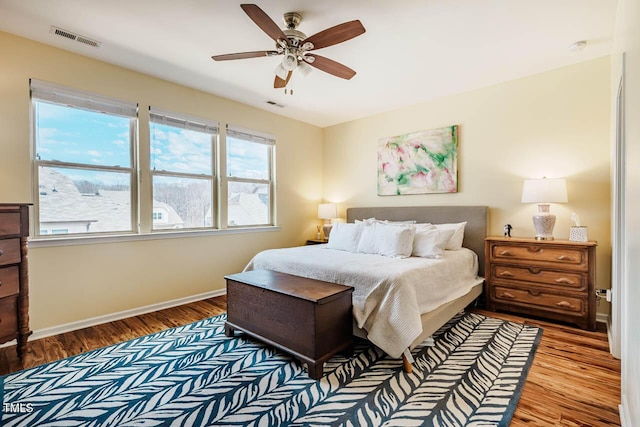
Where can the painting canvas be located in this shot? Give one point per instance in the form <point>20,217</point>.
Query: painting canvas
<point>419,162</point>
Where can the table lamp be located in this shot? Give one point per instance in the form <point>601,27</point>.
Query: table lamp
<point>544,191</point>
<point>327,211</point>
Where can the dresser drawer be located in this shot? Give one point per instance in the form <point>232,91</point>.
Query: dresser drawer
<point>9,317</point>
<point>540,299</point>
<point>573,257</point>
<point>561,279</point>
<point>9,251</point>
<point>9,280</point>
<point>10,224</point>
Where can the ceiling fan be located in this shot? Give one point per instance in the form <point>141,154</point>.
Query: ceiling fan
<point>295,46</point>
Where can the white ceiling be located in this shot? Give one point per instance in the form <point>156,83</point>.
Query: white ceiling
<point>413,50</point>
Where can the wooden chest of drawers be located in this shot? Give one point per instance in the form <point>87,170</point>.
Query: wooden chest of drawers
<point>14,288</point>
<point>552,279</point>
<point>308,318</point>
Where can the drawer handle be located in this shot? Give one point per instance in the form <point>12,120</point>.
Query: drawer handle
<point>564,304</point>
<point>505,273</point>
<point>534,248</point>
<point>534,293</point>
<point>1,252</point>
<point>565,258</point>
<point>564,281</point>
<point>507,253</point>
<point>507,295</point>
<point>534,270</point>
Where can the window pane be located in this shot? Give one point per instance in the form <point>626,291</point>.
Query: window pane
<point>83,201</point>
<point>180,150</point>
<point>247,159</point>
<point>77,136</point>
<point>248,204</point>
<point>181,203</point>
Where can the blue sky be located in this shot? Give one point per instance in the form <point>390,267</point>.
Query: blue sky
<point>79,136</point>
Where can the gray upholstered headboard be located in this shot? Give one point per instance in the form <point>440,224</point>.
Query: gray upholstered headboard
<point>474,234</point>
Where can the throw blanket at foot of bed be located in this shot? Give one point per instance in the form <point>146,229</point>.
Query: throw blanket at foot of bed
<point>194,375</point>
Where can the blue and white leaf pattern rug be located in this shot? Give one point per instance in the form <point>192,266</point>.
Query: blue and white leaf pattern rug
<point>196,376</point>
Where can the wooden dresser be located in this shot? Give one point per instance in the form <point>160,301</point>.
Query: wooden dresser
<point>552,279</point>
<point>14,278</point>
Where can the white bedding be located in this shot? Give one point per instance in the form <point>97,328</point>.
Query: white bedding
<point>389,294</point>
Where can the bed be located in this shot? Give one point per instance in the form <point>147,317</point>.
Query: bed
<point>394,306</point>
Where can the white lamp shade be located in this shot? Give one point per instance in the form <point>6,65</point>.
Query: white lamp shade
<point>305,69</point>
<point>281,72</point>
<point>544,190</point>
<point>327,211</point>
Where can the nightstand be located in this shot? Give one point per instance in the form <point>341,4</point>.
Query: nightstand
<point>551,279</point>
<point>316,241</point>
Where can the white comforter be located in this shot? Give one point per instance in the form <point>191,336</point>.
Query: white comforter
<point>389,294</point>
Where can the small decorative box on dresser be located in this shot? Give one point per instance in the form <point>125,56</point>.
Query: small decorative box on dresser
<point>14,280</point>
<point>552,279</point>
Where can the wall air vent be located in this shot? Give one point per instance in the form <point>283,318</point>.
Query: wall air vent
<point>73,36</point>
<point>275,104</point>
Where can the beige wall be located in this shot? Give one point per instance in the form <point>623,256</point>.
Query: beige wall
<point>554,124</point>
<point>73,283</point>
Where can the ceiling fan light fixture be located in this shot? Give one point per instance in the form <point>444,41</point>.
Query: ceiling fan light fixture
<point>281,72</point>
<point>289,61</point>
<point>304,68</point>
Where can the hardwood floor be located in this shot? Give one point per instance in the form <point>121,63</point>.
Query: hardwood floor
<point>573,381</point>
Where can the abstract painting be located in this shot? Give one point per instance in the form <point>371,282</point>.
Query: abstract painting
<point>419,162</point>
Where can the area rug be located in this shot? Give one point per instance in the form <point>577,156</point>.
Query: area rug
<point>195,376</point>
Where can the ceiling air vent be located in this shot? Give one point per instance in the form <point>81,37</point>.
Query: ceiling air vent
<point>275,104</point>
<point>73,36</point>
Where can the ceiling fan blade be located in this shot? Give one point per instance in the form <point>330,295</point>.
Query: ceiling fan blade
<point>244,55</point>
<point>278,83</point>
<point>335,35</point>
<point>330,66</point>
<point>263,21</point>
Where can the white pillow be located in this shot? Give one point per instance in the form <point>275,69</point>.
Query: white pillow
<point>392,240</point>
<point>429,242</point>
<point>345,236</point>
<point>409,221</point>
<point>455,242</point>
<point>365,221</point>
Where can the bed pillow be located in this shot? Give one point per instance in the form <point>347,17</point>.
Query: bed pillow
<point>430,242</point>
<point>365,221</point>
<point>392,240</point>
<point>345,236</point>
<point>410,221</point>
<point>455,242</point>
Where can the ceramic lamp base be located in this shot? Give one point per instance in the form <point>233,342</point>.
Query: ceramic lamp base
<point>543,222</point>
<point>326,229</point>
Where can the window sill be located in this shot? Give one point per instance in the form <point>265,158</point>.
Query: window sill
<point>92,240</point>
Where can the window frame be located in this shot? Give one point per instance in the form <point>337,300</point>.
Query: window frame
<point>44,92</point>
<point>258,138</point>
<point>185,121</point>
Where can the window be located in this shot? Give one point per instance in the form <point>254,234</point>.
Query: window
<point>250,182</point>
<point>84,160</point>
<point>88,180</point>
<point>182,170</point>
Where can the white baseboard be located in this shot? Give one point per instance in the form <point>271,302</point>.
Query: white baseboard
<point>603,317</point>
<point>606,319</point>
<point>74,326</point>
<point>625,417</point>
